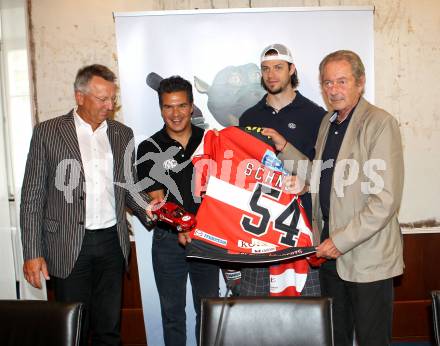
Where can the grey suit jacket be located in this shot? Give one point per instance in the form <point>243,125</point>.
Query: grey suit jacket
<point>364,199</point>
<point>52,210</point>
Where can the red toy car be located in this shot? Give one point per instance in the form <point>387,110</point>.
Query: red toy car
<point>175,215</point>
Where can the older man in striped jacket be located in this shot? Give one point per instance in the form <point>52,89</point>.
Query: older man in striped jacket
<point>74,196</point>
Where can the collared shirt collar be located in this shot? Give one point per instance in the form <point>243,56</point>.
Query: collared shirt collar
<point>80,122</point>
<point>295,102</point>
<point>164,137</point>
<point>334,116</point>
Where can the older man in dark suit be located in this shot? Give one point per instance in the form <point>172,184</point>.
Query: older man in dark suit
<point>73,218</point>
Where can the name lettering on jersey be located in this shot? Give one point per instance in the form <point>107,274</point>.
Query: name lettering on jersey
<point>263,175</point>
<point>210,237</point>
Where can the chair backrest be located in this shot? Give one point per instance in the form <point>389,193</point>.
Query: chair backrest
<point>272,321</point>
<point>37,322</point>
<point>436,315</point>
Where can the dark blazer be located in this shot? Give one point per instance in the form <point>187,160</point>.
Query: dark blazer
<point>52,210</point>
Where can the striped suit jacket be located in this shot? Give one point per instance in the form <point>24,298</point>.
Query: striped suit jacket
<point>52,210</point>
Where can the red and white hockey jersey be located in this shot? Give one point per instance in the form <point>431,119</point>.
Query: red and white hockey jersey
<point>246,215</point>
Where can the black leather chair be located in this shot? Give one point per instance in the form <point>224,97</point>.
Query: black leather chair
<point>436,315</point>
<point>271,321</point>
<point>37,322</point>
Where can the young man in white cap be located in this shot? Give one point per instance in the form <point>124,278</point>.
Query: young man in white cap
<point>297,118</point>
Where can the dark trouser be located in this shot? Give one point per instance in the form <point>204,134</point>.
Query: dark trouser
<point>366,308</point>
<point>171,269</point>
<point>96,280</point>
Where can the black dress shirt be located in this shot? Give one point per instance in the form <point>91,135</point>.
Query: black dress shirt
<point>333,143</point>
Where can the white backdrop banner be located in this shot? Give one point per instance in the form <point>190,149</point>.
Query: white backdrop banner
<point>218,51</point>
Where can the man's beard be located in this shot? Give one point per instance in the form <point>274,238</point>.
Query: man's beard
<point>275,91</point>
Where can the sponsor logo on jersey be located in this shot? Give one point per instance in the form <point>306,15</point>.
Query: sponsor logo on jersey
<point>264,249</point>
<point>256,129</point>
<point>257,246</point>
<point>271,161</point>
<point>210,237</point>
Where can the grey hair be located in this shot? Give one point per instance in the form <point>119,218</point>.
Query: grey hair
<point>357,67</point>
<point>86,73</point>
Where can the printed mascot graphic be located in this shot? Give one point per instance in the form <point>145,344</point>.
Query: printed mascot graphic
<point>233,90</point>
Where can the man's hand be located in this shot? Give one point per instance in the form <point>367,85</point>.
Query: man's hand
<point>154,203</point>
<point>327,249</point>
<point>293,184</point>
<point>183,238</point>
<point>32,269</point>
<point>278,140</point>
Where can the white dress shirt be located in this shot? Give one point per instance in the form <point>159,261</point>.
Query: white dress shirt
<point>97,160</point>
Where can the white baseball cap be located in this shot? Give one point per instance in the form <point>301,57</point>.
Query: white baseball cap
<point>283,53</point>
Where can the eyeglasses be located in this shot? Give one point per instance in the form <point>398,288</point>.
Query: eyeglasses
<point>113,100</point>
<point>341,83</point>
